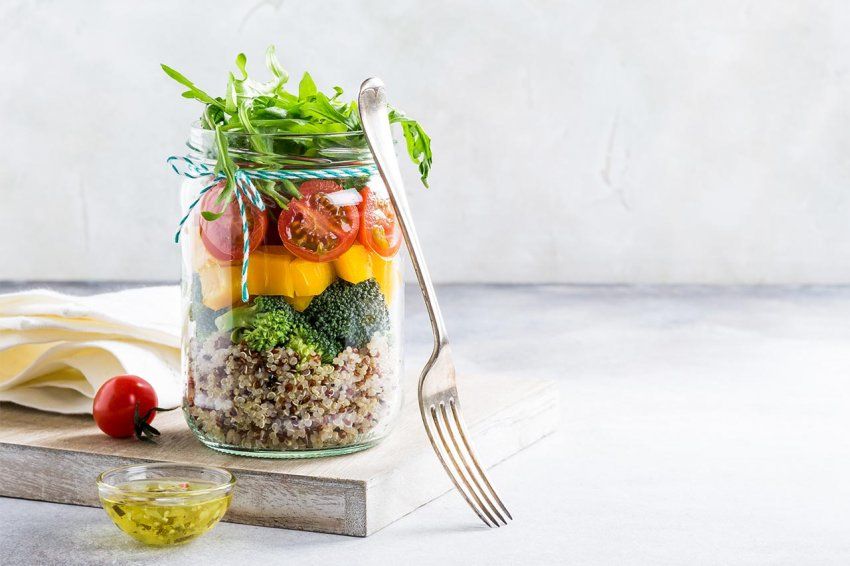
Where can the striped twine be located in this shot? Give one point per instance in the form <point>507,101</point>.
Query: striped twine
<point>245,190</point>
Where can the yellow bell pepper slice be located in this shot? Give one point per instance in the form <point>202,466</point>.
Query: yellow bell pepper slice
<point>310,278</point>
<point>387,274</point>
<point>299,303</point>
<point>355,265</point>
<point>221,285</point>
<point>269,271</point>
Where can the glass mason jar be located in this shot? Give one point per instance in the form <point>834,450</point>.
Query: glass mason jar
<point>310,364</point>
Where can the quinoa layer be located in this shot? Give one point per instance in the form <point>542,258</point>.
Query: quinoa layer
<point>278,400</point>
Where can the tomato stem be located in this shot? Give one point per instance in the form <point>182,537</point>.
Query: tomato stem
<point>144,431</point>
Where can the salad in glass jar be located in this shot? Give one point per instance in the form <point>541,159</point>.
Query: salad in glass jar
<point>291,271</point>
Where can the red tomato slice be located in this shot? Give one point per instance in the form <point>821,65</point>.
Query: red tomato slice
<point>223,236</point>
<point>314,227</point>
<point>379,229</point>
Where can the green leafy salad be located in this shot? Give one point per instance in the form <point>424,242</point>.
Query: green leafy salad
<point>254,108</point>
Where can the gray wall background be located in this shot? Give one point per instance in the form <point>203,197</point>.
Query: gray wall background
<point>575,141</point>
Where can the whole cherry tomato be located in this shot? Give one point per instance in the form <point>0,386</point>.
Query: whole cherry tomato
<point>121,405</point>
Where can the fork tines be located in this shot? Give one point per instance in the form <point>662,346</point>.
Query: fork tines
<point>459,460</point>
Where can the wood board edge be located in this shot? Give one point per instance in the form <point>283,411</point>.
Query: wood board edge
<point>328,506</point>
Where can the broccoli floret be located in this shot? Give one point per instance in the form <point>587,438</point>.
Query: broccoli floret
<point>243,317</point>
<point>264,324</point>
<point>268,303</point>
<point>269,329</point>
<point>302,348</point>
<point>349,314</point>
<point>343,315</point>
<point>306,341</point>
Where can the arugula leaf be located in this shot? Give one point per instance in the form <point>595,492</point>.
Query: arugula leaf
<point>241,63</point>
<point>275,67</point>
<point>306,88</point>
<point>230,98</point>
<point>193,92</point>
<point>245,120</point>
<point>226,167</point>
<point>290,188</point>
<point>256,108</point>
<point>299,126</point>
<point>418,147</point>
<point>321,107</point>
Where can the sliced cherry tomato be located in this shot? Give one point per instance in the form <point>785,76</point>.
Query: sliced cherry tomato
<point>315,227</point>
<point>119,401</point>
<point>223,236</point>
<point>379,229</point>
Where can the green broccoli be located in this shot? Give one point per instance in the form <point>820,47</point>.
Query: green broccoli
<point>349,314</point>
<point>269,329</point>
<point>269,322</point>
<point>243,317</point>
<point>306,340</point>
<point>343,315</point>
<point>301,347</point>
<point>264,324</point>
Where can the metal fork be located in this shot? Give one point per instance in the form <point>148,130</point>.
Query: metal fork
<point>438,399</point>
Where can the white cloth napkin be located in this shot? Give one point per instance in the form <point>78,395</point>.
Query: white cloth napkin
<point>56,350</point>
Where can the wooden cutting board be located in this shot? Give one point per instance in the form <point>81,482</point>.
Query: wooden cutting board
<point>51,457</point>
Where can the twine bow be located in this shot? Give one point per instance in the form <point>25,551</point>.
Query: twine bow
<point>246,191</point>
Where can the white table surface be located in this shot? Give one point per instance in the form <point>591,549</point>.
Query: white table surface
<point>699,426</point>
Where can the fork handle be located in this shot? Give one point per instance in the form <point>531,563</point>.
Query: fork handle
<point>372,104</point>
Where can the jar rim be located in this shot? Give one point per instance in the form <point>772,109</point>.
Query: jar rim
<point>285,150</point>
<point>198,129</point>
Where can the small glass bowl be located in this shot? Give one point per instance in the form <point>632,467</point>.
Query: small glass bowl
<point>165,504</point>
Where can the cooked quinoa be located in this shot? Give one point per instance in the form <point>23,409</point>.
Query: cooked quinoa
<point>277,400</point>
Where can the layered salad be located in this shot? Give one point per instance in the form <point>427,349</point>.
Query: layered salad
<point>311,362</point>
<point>292,335</point>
